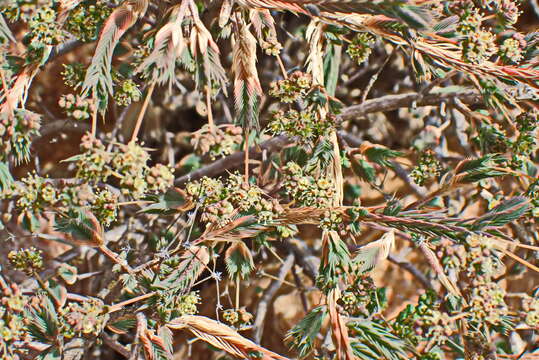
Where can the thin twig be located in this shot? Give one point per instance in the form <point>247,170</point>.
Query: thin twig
<point>121,305</point>
<point>142,112</point>
<point>208,108</point>
<point>373,78</point>
<point>115,345</point>
<point>141,326</point>
<point>270,292</point>
<point>412,270</point>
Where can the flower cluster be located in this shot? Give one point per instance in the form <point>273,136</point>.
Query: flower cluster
<point>361,47</point>
<point>487,303</point>
<point>482,261</point>
<point>305,189</point>
<point>479,46</point>
<point>511,50</point>
<point>28,261</point>
<point>306,125</point>
<point>16,134</point>
<point>289,90</point>
<point>222,199</point>
<point>530,311</point>
<point>470,22</point>
<point>533,194</point>
<point>23,9</point>
<point>36,193</point>
<point>76,106</point>
<point>525,143</point>
<point>506,12</point>
<point>83,319</point>
<point>170,306</point>
<point>85,20</point>
<point>73,74</point>
<point>130,161</point>
<point>358,299</point>
<point>331,220</point>
<point>127,92</point>
<point>238,318</point>
<point>92,163</point>
<point>428,167</point>
<point>424,320</point>
<point>217,142</point>
<point>271,46</point>
<point>12,326</point>
<point>44,29</point>
<point>127,162</point>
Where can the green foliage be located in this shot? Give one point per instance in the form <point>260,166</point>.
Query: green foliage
<point>253,173</point>
<point>376,342</point>
<point>303,335</point>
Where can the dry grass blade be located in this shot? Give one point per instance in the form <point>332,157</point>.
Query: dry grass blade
<point>222,337</point>
<point>99,74</point>
<point>435,264</point>
<point>339,329</point>
<point>363,16</point>
<point>193,264</point>
<point>19,90</point>
<point>4,29</point>
<point>375,252</point>
<point>169,45</point>
<point>154,347</point>
<point>518,258</point>
<point>247,88</point>
<point>261,19</point>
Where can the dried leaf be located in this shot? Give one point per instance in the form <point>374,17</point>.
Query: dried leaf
<point>222,337</point>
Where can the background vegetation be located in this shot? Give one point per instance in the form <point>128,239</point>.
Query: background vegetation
<point>269,179</point>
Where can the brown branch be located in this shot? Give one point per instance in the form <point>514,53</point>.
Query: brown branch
<point>262,307</point>
<point>394,102</point>
<point>115,345</point>
<point>234,161</point>
<point>412,270</point>
<point>384,103</point>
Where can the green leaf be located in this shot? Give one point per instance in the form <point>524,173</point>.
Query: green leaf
<point>6,180</point>
<point>42,322</point>
<point>470,171</point>
<point>304,333</point>
<point>58,291</point>
<point>5,32</point>
<point>154,347</point>
<point>373,341</point>
<point>52,353</point>
<point>363,169</point>
<point>172,201</point>
<point>68,273</point>
<point>504,213</point>
<point>380,155</point>
<point>239,262</point>
<point>332,60</point>
<point>187,272</point>
<point>81,225</point>
<point>322,156</point>
<point>122,324</point>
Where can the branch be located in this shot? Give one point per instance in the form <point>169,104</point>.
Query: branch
<point>394,102</point>
<point>384,103</point>
<point>115,345</point>
<point>270,292</point>
<point>412,270</point>
<point>235,160</point>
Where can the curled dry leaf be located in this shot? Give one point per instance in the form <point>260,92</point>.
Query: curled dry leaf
<point>339,329</point>
<point>222,337</point>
